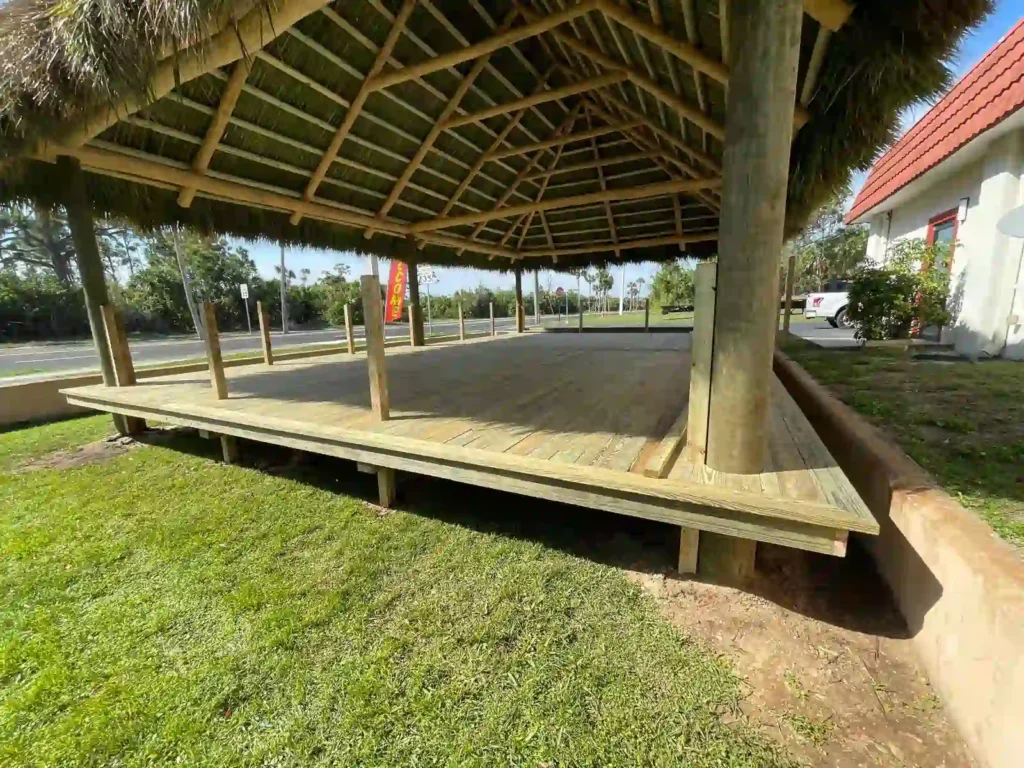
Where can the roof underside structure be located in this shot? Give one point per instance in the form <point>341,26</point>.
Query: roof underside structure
<point>486,133</point>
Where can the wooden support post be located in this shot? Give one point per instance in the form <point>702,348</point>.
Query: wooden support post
<point>580,326</point>
<point>790,269</point>
<point>689,540</point>
<point>462,324</point>
<point>701,341</point>
<point>647,315</point>
<point>264,318</point>
<point>416,335</point>
<point>380,401</point>
<point>350,338</point>
<point>90,268</point>
<point>124,371</point>
<point>520,310</point>
<point>229,449</point>
<point>759,125</point>
<point>373,326</point>
<point>213,356</point>
<point>494,330</point>
<point>726,559</point>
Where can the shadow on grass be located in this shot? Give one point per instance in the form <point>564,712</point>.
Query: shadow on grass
<point>844,592</point>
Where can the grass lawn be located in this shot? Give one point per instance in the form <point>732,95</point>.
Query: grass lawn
<point>161,608</point>
<point>962,421</point>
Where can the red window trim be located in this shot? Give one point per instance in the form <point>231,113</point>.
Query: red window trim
<point>943,218</point>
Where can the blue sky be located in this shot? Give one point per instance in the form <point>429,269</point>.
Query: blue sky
<point>266,255</point>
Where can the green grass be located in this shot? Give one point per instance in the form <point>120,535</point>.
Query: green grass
<point>20,372</point>
<point>962,421</point>
<point>161,608</point>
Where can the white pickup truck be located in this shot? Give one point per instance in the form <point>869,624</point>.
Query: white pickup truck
<point>830,304</point>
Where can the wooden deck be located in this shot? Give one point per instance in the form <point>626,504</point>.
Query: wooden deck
<point>587,419</point>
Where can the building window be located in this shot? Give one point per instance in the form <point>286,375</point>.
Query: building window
<point>942,232</point>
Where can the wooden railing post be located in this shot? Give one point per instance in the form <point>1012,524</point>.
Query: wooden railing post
<point>580,325</point>
<point>350,337</point>
<point>494,330</point>
<point>228,444</point>
<point>121,358</point>
<point>380,401</point>
<point>416,334</point>
<point>647,315</point>
<point>268,352</point>
<point>790,269</point>
<point>462,324</point>
<point>704,278</point>
<point>520,309</point>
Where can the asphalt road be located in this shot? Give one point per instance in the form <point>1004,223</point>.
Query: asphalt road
<point>63,357</point>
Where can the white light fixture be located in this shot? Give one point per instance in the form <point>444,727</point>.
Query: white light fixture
<point>961,211</point>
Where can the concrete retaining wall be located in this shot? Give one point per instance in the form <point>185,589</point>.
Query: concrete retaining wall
<point>960,588</point>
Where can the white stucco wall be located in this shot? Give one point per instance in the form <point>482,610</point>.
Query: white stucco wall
<point>986,297</point>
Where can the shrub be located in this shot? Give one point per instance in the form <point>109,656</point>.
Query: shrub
<point>906,294</point>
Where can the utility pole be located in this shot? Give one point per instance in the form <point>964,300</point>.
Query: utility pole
<point>284,294</point>
<point>536,297</point>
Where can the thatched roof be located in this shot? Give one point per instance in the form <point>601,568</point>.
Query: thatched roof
<point>217,114</point>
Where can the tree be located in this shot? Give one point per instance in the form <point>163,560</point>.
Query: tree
<point>673,286</point>
<point>603,281</point>
<point>827,249</point>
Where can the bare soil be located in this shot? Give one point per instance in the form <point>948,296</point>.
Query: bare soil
<point>824,656</point>
<point>99,452</point>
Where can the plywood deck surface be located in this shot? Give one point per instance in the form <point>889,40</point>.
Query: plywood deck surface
<point>587,412</point>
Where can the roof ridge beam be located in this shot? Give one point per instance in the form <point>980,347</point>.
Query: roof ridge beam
<point>489,45</point>
<point>357,105</point>
<point>625,245</point>
<point>630,193</point>
<point>556,142</point>
<point>601,163</point>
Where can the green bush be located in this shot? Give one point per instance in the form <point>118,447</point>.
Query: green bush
<point>905,295</point>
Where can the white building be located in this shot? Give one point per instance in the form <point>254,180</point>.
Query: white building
<point>951,177</point>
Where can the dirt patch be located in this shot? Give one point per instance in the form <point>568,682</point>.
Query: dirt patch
<point>826,660</point>
<point>99,452</point>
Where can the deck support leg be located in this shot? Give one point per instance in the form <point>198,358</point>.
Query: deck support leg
<point>229,449</point>
<point>727,559</point>
<point>121,356</point>
<point>759,130</point>
<point>520,309</point>
<point>689,540</point>
<point>380,401</point>
<point>350,338</point>
<point>264,318</point>
<point>790,269</point>
<point>462,324</point>
<point>494,330</point>
<point>90,268</point>
<point>416,334</point>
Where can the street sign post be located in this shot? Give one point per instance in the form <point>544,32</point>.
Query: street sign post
<point>427,277</point>
<point>244,290</point>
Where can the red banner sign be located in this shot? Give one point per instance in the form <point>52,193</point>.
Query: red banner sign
<point>396,290</point>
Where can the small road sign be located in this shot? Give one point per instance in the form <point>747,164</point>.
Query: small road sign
<point>244,288</point>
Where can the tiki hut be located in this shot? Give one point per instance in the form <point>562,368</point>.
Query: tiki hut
<point>499,134</point>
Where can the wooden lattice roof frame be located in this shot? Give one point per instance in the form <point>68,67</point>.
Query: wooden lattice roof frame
<point>491,133</point>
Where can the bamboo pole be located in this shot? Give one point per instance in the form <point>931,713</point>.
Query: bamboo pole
<point>602,163</point>
<point>264,320</point>
<point>766,37</point>
<point>219,123</point>
<point>562,140</point>
<point>357,105</point>
<point>629,193</point>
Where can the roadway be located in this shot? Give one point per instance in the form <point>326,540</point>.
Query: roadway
<point>66,357</point>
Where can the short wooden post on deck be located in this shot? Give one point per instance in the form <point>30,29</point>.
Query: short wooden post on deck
<point>462,324</point>
<point>520,309</point>
<point>689,542</point>
<point>228,444</point>
<point>380,401</point>
<point>416,333</point>
<point>790,269</point>
<point>647,315</point>
<point>90,267</point>
<point>701,339</point>
<point>121,356</point>
<point>350,338</point>
<point>765,40</point>
<point>264,318</point>
<point>494,330</point>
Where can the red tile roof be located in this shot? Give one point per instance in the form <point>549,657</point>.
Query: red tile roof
<point>988,94</point>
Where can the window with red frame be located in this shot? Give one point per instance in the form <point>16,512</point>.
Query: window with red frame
<point>942,231</point>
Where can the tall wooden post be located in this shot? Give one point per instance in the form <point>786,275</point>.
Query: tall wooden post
<point>759,128</point>
<point>380,401</point>
<point>264,318</point>
<point>416,334</point>
<point>350,338</point>
<point>579,328</point>
<point>494,330</point>
<point>90,268</point>
<point>790,269</point>
<point>228,444</point>
<point>520,309</point>
<point>120,354</point>
<point>462,324</point>
<point>647,315</point>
